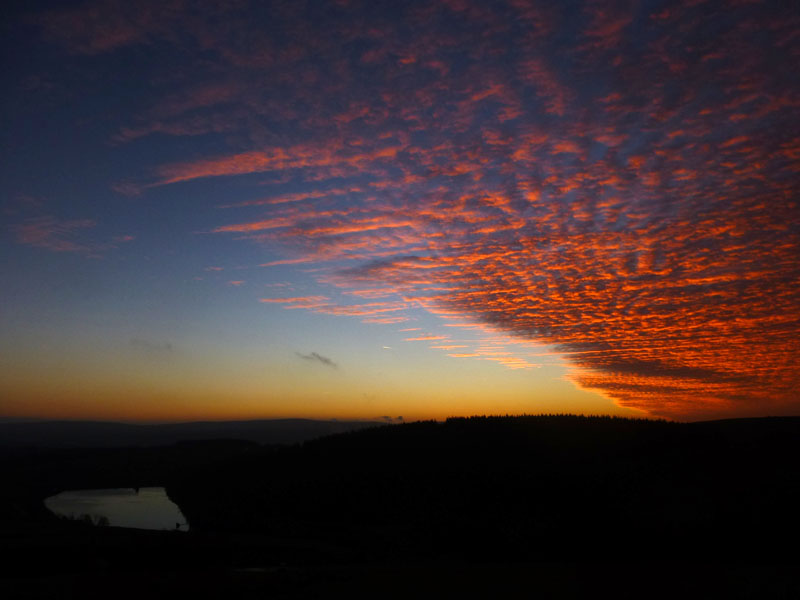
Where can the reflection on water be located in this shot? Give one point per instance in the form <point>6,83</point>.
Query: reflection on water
<point>142,508</point>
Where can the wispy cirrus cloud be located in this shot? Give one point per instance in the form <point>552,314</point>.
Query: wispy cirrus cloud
<point>318,358</point>
<point>65,235</point>
<point>57,235</point>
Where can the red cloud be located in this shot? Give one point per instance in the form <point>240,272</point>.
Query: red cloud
<point>629,198</point>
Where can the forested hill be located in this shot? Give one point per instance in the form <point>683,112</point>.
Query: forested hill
<point>514,486</point>
<point>101,434</point>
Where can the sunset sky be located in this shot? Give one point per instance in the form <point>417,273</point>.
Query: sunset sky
<point>357,209</point>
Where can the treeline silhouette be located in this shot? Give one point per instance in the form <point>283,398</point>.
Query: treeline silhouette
<point>551,486</point>
<point>105,434</point>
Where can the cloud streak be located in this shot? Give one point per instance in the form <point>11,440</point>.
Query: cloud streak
<point>318,358</point>
<point>151,349</point>
<point>54,234</point>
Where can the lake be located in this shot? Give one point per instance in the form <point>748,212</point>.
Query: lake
<point>142,508</point>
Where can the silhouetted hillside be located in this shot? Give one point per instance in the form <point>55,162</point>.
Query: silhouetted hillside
<point>99,434</point>
<point>496,507</point>
<point>504,487</point>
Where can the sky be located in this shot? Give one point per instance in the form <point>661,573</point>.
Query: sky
<point>383,209</point>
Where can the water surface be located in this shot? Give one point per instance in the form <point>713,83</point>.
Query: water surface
<point>142,508</point>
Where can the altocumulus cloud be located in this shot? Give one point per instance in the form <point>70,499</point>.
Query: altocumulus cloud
<point>624,188</point>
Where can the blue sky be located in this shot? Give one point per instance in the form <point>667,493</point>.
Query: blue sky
<point>357,209</point>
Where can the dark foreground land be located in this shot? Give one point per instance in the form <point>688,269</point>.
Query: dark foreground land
<point>554,507</point>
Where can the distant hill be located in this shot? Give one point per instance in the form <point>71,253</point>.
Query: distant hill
<point>545,486</point>
<point>496,507</point>
<point>100,434</point>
